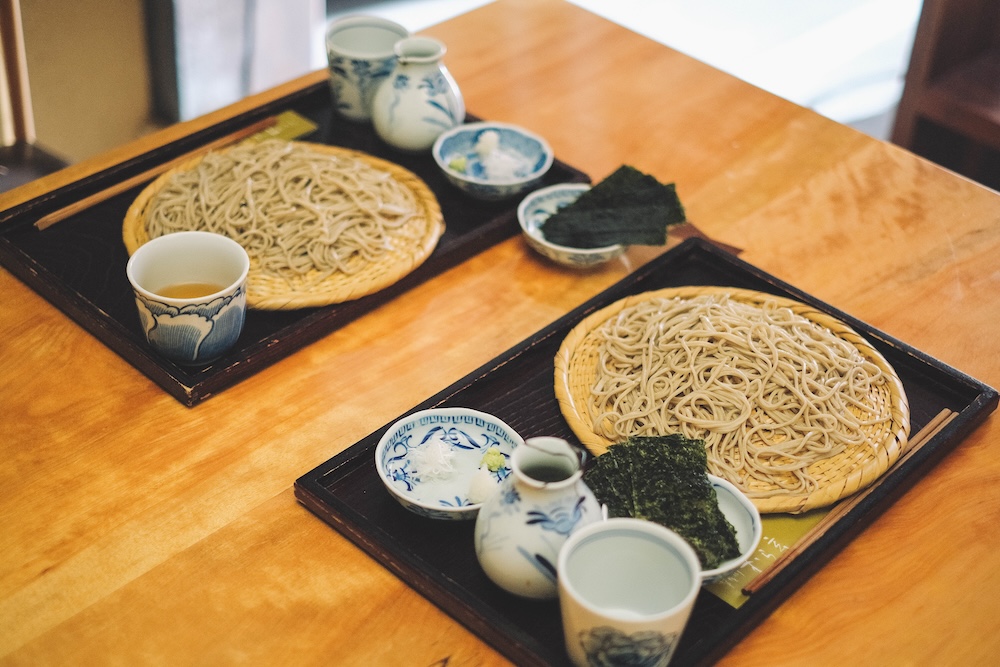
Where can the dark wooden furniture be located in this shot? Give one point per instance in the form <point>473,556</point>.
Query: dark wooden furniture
<point>21,160</point>
<point>950,108</point>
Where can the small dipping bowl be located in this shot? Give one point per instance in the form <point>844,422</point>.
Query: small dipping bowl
<point>745,519</point>
<point>429,460</point>
<point>536,208</point>
<point>190,294</point>
<point>515,165</point>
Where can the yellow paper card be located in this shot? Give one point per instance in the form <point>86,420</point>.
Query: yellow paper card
<point>780,533</point>
<point>288,125</point>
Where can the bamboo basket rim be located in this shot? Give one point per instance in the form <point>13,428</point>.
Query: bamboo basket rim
<point>838,476</point>
<point>412,244</point>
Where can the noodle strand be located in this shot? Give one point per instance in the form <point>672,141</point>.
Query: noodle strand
<point>769,391</point>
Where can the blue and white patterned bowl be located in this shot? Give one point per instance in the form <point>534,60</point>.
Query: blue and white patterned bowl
<point>360,57</point>
<point>193,329</point>
<point>517,164</point>
<point>442,491</point>
<point>536,208</point>
<point>745,519</point>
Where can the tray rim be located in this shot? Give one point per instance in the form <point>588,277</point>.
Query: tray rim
<point>102,171</point>
<point>193,386</point>
<point>308,489</point>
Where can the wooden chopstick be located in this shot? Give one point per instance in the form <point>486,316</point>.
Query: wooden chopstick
<point>932,428</point>
<point>50,219</point>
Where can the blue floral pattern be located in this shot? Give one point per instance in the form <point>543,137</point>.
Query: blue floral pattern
<point>560,519</point>
<point>468,438</point>
<point>365,75</point>
<point>420,100</point>
<point>193,334</point>
<point>521,529</point>
<point>605,646</point>
<point>438,100</point>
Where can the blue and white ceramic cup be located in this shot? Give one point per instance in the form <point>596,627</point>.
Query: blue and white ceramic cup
<point>190,291</point>
<point>626,590</point>
<point>360,56</point>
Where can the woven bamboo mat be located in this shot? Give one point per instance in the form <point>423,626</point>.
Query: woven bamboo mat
<point>410,245</point>
<point>837,476</point>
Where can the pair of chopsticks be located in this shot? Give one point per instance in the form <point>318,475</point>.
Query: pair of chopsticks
<point>925,434</point>
<point>50,219</point>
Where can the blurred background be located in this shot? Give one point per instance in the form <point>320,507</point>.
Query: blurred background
<point>103,72</point>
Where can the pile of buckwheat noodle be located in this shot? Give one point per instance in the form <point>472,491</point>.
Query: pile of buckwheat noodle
<point>296,211</point>
<point>768,390</point>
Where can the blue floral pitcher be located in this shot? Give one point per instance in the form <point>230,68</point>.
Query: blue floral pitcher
<point>420,100</point>
<point>524,523</point>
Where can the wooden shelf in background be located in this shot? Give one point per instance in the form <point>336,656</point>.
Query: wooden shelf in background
<point>950,108</point>
<point>967,100</point>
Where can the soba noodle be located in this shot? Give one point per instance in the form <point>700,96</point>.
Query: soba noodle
<point>768,390</point>
<point>297,212</point>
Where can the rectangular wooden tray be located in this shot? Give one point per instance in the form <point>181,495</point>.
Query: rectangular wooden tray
<point>79,263</point>
<point>437,558</point>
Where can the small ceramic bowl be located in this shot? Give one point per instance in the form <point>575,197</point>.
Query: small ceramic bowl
<point>190,294</point>
<point>430,460</point>
<point>745,519</point>
<point>492,161</point>
<point>535,209</point>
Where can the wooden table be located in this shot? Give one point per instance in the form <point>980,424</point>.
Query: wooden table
<point>134,530</point>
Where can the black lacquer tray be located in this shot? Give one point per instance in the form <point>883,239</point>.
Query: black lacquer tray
<point>79,263</point>
<point>437,558</point>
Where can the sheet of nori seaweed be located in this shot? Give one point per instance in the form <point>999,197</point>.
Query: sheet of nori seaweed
<point>601,227</point>
<point>613,476</point>
<point>627,207</point>
<point>663,479</point>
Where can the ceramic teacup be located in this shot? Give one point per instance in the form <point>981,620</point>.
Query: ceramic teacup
<point>626,590</point>
<point>360,56</point>
<point>190,291</point>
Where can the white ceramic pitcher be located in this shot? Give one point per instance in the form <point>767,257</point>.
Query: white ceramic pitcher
<point>522,526</point>
<point>420,100</point>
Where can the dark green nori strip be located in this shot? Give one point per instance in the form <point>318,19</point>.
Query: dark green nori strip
<point>627,207</point>
<point>614,474</point>
<point>597,228</point>
<point>663,479</point>
<point>628,185</point>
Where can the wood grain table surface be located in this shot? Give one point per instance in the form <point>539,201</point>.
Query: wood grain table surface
<point>135,531</point>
